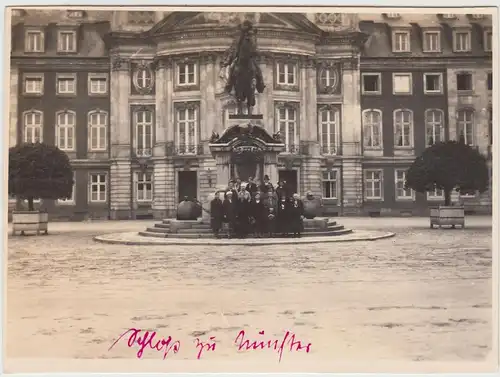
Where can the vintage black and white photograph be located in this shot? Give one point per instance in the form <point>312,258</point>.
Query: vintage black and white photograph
<point>250,189</point>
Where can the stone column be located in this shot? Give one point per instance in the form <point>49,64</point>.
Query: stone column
<point>222,165</point>
<point>159,205</point>
<point>267,100</point>
<point>312,101</point>
<point>120,170</point>
<point>14,123</point>
<point>352,180</point>
<point>209,96</point>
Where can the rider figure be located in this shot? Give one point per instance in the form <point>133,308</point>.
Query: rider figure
<point>247,32</point>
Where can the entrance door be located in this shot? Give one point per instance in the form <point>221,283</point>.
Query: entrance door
<point>290,176</point>
<point>188,184</point>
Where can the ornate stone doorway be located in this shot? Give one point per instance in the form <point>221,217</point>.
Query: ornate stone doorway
<point>243,151</point>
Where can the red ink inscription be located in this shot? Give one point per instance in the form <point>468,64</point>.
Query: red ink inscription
<point>148,340</point>
<point>277,345</point>
<point>205,346</point>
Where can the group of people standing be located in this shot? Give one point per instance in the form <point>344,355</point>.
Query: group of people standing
<point>250,209</point>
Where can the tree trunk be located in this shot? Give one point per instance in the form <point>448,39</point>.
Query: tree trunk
<point>447,197</point>
<point>30,204</point>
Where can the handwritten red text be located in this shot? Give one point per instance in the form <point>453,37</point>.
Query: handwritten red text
<point>148,340</point>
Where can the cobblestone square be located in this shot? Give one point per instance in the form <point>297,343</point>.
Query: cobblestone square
<point>423,295</point>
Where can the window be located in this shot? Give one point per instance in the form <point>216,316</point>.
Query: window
<point>98,187</point>
<point>98,84</point>
<point>72,199</point>
<point>489,81</point>
<point>436,194</point>
<point>66,84</point>
<point>186,74</point>
<point>330,184</point>
<point>33,125</point>
<point>434,126</point>
<point>461,41</point>
<point>465,120</point>
<point>329,126</point>
<point>187,130</point>
<point>66,41</point>
<point>401,83</point>
<point>328,77</point>
<point>433,83</point>
<point>371,83</point>
<point>143,120</point>
<point>488,41</point>
<point>98,125</point>
<point>372,128</point>
<point>464,81</point>
<point>143,78</point>
<point>432,41</point>
<point>373,184</point>
<point>65,130</point>
<point>403,128</point>
<point>33,84</point>
<point>34,41</point>
<point>287,120</point>
<point>400,179</point>
<point>467,194</point>
<point>401,41</point>
<point>144,187</point>
<point>286,73</point>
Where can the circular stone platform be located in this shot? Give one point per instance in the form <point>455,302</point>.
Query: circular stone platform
<point>134,238</point>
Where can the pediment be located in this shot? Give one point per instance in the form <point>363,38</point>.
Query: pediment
<point>177,21</point>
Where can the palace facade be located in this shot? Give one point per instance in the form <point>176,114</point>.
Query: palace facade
<point>133,98</point>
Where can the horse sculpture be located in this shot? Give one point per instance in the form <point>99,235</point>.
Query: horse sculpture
<point>245,75</point>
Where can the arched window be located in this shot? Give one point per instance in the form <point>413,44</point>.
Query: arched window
<point>434,126</point>
<point>33,126</point>
<point>98,129</point>
<point>403,128</point>
<point>65,130</point>
<point>465,126</point>
<point>328,119</point>
<point>372,128</point>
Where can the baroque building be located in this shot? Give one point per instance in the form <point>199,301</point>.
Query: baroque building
<point>133,97</point>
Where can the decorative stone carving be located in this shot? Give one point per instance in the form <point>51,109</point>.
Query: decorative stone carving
<point>141,17</point>
<point>163,63</point>
<point>329,19</point>
<point>119,64</point>
<point>351,64</point>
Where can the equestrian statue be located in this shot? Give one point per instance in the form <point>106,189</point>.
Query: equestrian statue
<point>245,75</point>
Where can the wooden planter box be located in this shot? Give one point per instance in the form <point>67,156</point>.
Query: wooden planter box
<point>452,216</point>
<point>29,221</point>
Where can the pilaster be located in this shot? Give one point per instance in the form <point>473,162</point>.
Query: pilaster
<point>351,108</point>
<point>208,102</point>
<point>162,116</point>
<point>120,193</point>
<point>352,185</point>
<point>312,113</point>
<point>160,183</point>
<point>13,104</point>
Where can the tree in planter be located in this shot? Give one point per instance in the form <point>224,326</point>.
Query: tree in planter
<point>448,166</point>
<point>39,171</point>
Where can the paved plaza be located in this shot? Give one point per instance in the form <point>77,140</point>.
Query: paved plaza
<point>422,295</point>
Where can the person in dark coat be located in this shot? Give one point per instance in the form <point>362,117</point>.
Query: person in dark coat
<point>237,185</point>
<point>251,187</point>
<point>229,207</point>
<point>243,214</point>
<point>230,187</point>
<point>265,186</point>
<point>259,216</point>
<point>281,190</point>
<point>271,221</point>
<point>296,215</point>
<point>283,216</point>
<point>216,214</point>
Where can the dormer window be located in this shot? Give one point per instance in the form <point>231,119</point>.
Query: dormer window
<point>449,16</point>
<point>432,41</point>
<point>393,15</point>
<point>66,41</point>
<point>461,41</point>
<point>401,41</point>
<point>34,41</point>
<point>75,14</point>
<point>477,16</point>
